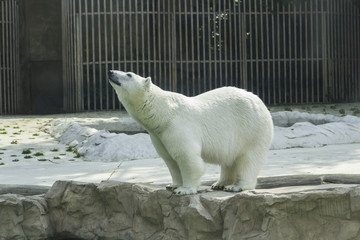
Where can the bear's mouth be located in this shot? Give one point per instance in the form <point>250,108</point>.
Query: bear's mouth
<point>114,81</point>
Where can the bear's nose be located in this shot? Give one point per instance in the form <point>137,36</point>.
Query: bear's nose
<point>110,73</point>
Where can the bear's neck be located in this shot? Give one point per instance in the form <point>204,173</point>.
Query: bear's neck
<point>154,111</point>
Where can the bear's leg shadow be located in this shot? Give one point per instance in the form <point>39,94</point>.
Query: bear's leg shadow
<point>227,177</point>
<point>247,168</point>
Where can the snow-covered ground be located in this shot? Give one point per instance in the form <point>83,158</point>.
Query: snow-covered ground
<point>93,147</point>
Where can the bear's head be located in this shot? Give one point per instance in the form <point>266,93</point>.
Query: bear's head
<point>129,86</point>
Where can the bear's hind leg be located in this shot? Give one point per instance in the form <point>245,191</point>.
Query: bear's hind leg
<point>226,178</point>
<point>247,168</point>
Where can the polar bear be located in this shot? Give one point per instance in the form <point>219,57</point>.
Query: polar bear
<point>227,126</point>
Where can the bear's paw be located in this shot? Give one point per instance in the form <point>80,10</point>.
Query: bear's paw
<point>185,190</point>
<point>233,188</point>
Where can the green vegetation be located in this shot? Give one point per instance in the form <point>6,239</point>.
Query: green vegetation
<point>26,151</point>
<point>39,154</point>
<point>27,156</point>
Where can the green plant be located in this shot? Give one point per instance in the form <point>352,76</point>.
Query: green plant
<point>42,160</point>
<point>77,155</point>
<point>15,160</point>
<point>26,151</point>
<point>35,134</point>
<point>54,150</point>
<point>342,111</point>
<point>2,163</point>
<point>27,156</point>
<point>56,157</point>
<point>14,142</point>
<point>39,154</point>
<point>70,149</point>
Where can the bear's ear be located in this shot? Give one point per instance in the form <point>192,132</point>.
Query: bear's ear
<point>147,82</point>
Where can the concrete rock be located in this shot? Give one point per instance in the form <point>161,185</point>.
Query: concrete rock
<point>115,210</point>
<point>23,217</point>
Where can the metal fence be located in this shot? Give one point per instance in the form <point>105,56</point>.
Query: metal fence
<point>285,53</point>
<point>9,56</point>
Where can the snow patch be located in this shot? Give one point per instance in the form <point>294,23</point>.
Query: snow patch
<point>96,141</point>
<point>297,129</point>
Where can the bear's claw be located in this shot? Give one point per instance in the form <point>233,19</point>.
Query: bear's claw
<point>217,187</point>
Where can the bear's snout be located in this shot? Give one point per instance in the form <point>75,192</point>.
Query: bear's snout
<point>112,77</point>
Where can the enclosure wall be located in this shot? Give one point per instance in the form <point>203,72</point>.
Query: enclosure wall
<point>285,53</point>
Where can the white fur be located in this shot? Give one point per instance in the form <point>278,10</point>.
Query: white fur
<point>226,126</point>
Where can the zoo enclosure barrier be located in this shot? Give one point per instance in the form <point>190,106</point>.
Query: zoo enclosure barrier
<point>307,52</point>
<point>9,56</point>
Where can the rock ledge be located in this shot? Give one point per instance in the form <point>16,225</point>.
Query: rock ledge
<point>115,210</point>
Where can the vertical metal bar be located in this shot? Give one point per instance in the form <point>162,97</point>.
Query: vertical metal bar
<point>262,38</point>
<point>306,53</point>
<point>227,23</point>
<point>93,54</point>
<point>149,34</point>
<point>290,60</point>
<point>131,38</point>
<point>324,53</point>
<point>11,56</point>
<point>125,36</point>
<point>295,56</point>
<point>63,28</point>
<point>143,36</point>
<point>155,73</point>
<point>100,55</point>
<point>257,48</point>
<point>312,51</point>
<point>80,81</point>
<point>136,36</point>
<point>159,43</point>
<point>317,57</point>
<point>219,44</point>
<point>278,52</point>
<point>174,47</point>
<point>6,82</point>
<point>106,55</point>
<point>215,48</point>
<point>164,53</point>
<point>268,63</point>
<point>199,74</point>
<point>87,55</point>
<point>285,87</point>
<point>205,76</point>
<point>237,43</point>
<point>192,47</point>
<point>209,47</point>
<point>186,49</point>
<point>243,34</point>
<point>273,85</point>
<point>111,14</point>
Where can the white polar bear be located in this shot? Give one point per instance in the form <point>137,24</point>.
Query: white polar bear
<point>226,126</point>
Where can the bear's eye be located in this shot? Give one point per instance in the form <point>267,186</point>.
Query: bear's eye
<point>129,75</point>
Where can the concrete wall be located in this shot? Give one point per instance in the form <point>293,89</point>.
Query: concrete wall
<point>41,56</point>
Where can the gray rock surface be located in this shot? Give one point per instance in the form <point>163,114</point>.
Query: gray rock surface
<point>115,210</point>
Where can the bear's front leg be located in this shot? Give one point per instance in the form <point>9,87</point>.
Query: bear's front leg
<point>191,169</point>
